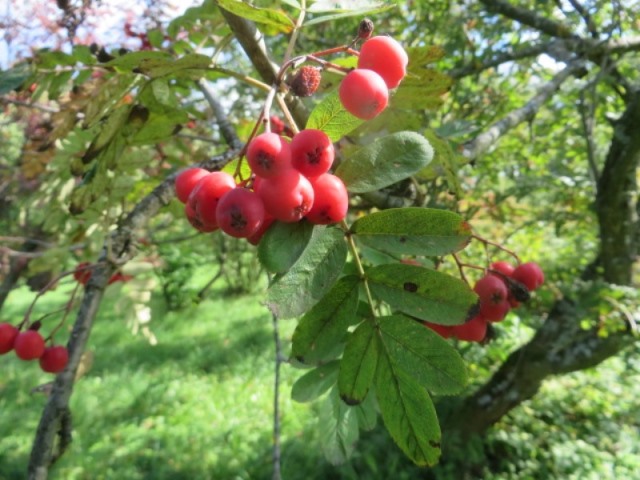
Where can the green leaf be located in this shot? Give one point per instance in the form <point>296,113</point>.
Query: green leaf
<point>423,293</point>
<point>445,163</point>
<point>367,412</point>
<point>283,244</point>
<point>413,231</point>
<point>193,66</point>
<point>385,161</point>
<point>135,60</point>
<point>330,116</point>
<point>158,128</point>
<point>14,77</point>
<point>311,277</point>
<point>407,412</point>
<point>112,126</point>
<point>315,382</point>
<point>355,8</point>
<point>338,428</point>
<point>267,16</point>
<point>358,365</point>
<point>423,354</point>
<point>325,325</point>
<point>423,55</point>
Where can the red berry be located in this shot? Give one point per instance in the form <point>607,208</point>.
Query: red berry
<point>491,289</point>
<point>186,181</point>
<point>8,334</point>
<point>195,221</point>
<point>386,57</point>
<point>256,237</point>
<point>312,152</point>
<point>495,311</point>
<point>82,273</point>
<point>529,274</point>
<point>503,267</point>
<point>363,93</point>
<point>54,359</point>
<point>288,197</point>
<point>475,330</point>
<point>207,193</point>
<point>269,155</point>
<point>330,200</point>
<point>444,331</point>
<point>29,345</point>
<point>240,213</point>
<point>277,125</point>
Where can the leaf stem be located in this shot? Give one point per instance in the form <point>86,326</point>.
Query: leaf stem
<point>354,252</point>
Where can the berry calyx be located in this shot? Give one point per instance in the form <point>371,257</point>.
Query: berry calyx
<point>529,274</point>
<point>386,57</point>
<point>331,200</point>
<point>187,180</point>
<point>8,334</point>
<point>269,155</point>
<point>312,152</point>
<point>29,345</point>
<point>288,197</point>
<point>54,359</point>
<point>365,29</point>
<point>240,213</point>
<point>364,93</point>
<point>305,81</point>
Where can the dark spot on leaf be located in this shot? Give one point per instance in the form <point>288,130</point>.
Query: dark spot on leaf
<point>300,358</point>
<point>350,401</point>
<point>410,287</point>
<point>402,239</point>
<point>434,444</point>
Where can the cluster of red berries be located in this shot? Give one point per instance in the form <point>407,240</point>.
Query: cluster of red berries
<point>382,64</point>
<point>29,345</point>
<point>504,287</point>
<point>82,274</point>
<point>290,182</point>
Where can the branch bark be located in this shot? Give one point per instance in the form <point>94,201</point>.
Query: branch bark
<point>479,145</point>
<point>118,249</point>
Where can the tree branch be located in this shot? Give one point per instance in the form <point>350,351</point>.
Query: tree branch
<point>252,42</point>
<point>479,145</point>
<point>529,18</point>
<point>226,129</point>
<point>120,244</point>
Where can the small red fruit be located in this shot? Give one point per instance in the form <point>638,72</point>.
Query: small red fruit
<point>29,345</point>
<point>444,331</point>
<point>82,273</point>
<point>256,237</point>
<point>495,311</point>
<point>491,289</point>
<point>186,181</point>
<point>504,268</point>
<point>312,152</point>
<point>386,57</point>
<point>529,274</point>
<point>287,197</point>
<point>207,193</point>
<point>475,330</point>
<point>54,359</point>
<point>330,200</point>
<point>195,221</point>
<point>8,334</point>
<point>363,93</point>
<point>269,155</point>
<point>240,213</point>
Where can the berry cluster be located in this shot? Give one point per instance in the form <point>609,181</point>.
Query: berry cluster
<point>29,345</point>
<point>502,288</point>
<point>290,182</point>
<point>382,64</point>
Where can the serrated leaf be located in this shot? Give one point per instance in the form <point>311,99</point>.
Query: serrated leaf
<point>325,325</point>
<point>407,412</point>
<point>351,13</point>
<point>423,355</point>
<point>311,277</point>
<point>108,130</point>
<point>423,293</point>
<point>338,428</point>
<point>14,77</point>
<point>330,116</point>
<point>135,60</point>
<point>423,55</point>
<point>385,161</point>
<point>192,65</point>
<point>413,231</point>
<point>267,16</point>
<point>421,91</point>
<point>283,244</point>
<point>358,365</point>
<point>157,128</point>
<point>315,383</point>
